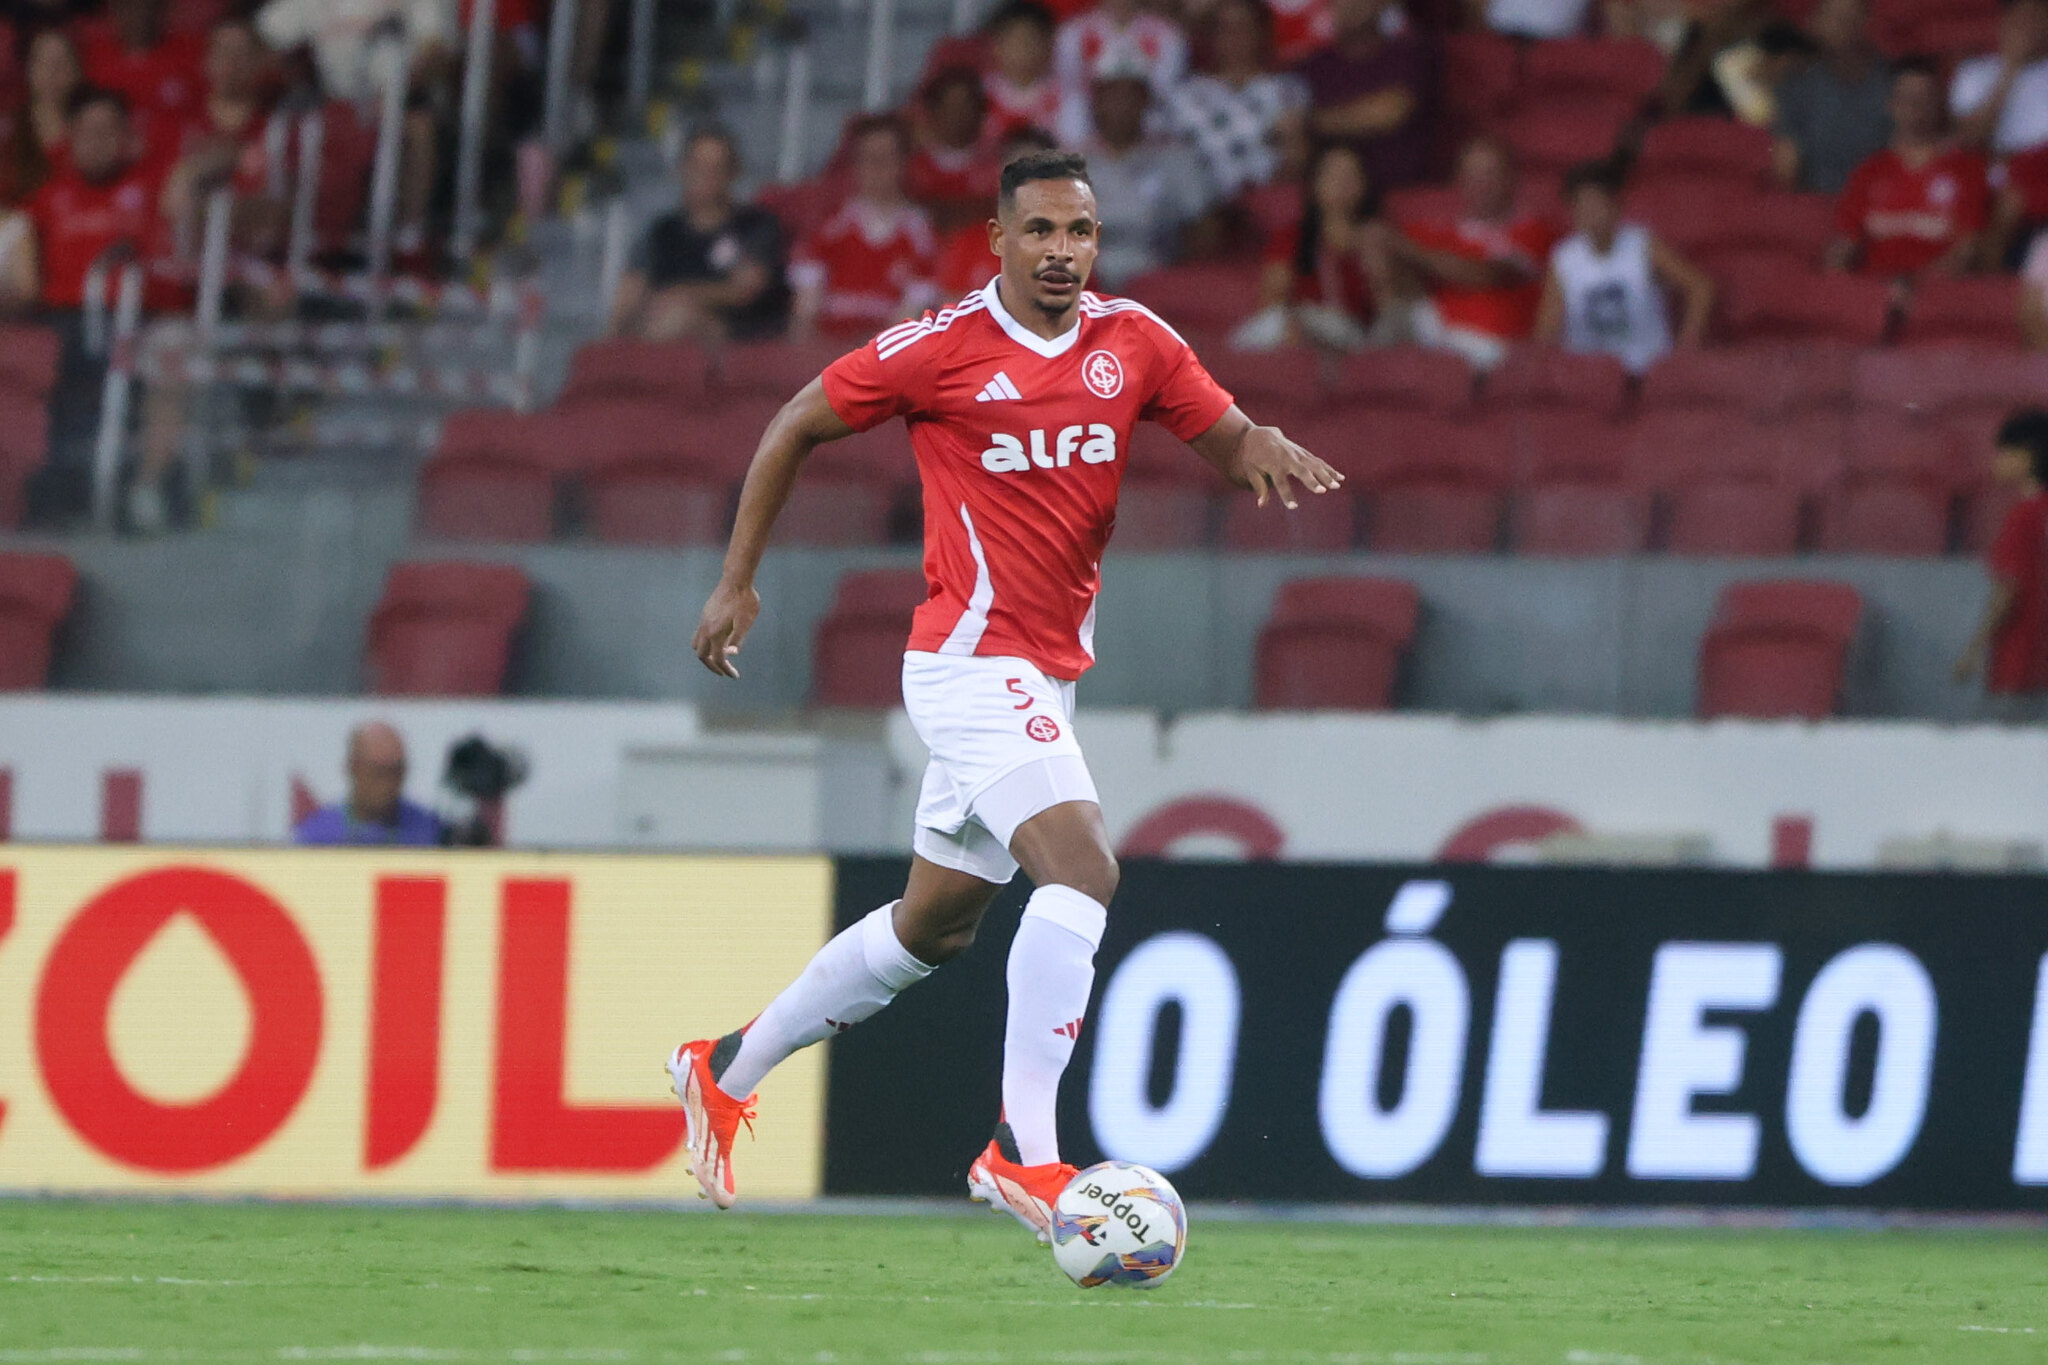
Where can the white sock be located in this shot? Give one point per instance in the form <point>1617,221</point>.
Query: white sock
<point>850,979</point>
<point>1051,971</point>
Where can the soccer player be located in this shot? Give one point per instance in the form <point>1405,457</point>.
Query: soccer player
<point>1020,401</point>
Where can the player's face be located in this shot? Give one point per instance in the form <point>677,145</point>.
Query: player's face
<point>1047,239</point>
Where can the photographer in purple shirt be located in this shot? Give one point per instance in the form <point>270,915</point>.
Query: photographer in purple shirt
<point>376,811</point>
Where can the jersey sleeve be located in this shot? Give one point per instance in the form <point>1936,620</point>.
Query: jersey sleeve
<point>866,390</point>
<point>1188,401</point>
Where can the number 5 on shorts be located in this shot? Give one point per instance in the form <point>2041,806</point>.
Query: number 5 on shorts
<point>1016,686</point>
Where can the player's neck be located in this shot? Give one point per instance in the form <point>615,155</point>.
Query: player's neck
<point>1051,326</point>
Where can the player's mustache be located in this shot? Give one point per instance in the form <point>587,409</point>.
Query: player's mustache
<point>1051,272</point>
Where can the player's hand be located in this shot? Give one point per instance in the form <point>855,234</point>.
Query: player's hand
<point>1270,461</point>
<point>727,618</point>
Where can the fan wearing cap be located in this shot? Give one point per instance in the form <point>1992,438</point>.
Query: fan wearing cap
<point>1148,188</point>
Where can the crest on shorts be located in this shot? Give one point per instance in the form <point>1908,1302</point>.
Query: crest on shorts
<point>1103,373</point>
<point>1044,729</point>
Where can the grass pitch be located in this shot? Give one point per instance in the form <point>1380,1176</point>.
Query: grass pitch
<point>200,1282</point>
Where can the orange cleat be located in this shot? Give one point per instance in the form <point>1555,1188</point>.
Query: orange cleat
<point>711,1120</point>
<point>1027,1193</point>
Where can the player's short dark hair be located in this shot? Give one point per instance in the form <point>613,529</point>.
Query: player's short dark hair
<point>1606,173</point>
<point>86,96</point>
<point>2027,429</point>
<point>1021,12</point>
<point>1054,165</point>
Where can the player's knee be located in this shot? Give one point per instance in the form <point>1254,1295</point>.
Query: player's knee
<point>1094,875</point>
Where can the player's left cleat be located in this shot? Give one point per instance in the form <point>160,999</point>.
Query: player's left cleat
<point>1026,1193</point>
<point>711,1120</point>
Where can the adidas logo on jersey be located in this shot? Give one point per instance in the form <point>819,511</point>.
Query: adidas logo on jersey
<point>998,390</point>
<point>1094,443</point>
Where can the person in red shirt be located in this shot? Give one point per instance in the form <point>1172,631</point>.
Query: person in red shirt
<point>966,261</point>
<point>225,142</point>
<point>1920,204</point>
<point>1020,402</point>
<point>1483,274</point>
<point>160,74</point>
<point>1022,90</point>
<point>2010,646</point>
<point>105,196</point>
<point>871,263</point>
<point>1324,274</point>
<point>951,172</point>
<point>32,146</point>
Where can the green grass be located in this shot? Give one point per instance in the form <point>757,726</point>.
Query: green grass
<point>204,1282</point>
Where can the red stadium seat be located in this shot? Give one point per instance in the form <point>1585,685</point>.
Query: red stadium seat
<point>1482,76</point>
<point>1946,36</point>
<point>1982,310</point>
<point>1321,523</point>
<point>28,358</point>
<point>1886,441</point>
<point>1203,297</point>
<point>1778,650</point>
<point>1406,377</point>
<point>1335,643</point>
<point>1550,138</point>
<point>1720,478</point>
<point>650,501</point>
<point>1275,384</point>
<point>487,482</point>
<point>635,369</point>
<point>1575,496</point>
<point>1774,301</point>
<point>1711,219</point>
<point>1162,514</point>
<point>1878,511</point>
<point>773,369</point>
<point>1545,377</point>
<point>1437,487</point>
<point>24,445</point>
<point>36,592</point>
<point>858,656</point>
<point>849,490</point>
<point>1557,70</point>
<point>1425,204</point>
<point>1716,147</point>
<point>1949,380</point>
<point>446,629</point>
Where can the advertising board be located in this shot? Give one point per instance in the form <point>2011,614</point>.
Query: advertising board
<point>1492,1035</point>
<point>385,1023</point>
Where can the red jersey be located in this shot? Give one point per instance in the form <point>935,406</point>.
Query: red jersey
<point>869,261</point>
<point>1507,312</point>
<point>1021,444</point>
<point>1904,220</point>
<point>2019,559</point>
<point>948,177</point>
<point>77,220</point>
<point>162,84</point>
<point>1011,107</point>
<point>965,262</point>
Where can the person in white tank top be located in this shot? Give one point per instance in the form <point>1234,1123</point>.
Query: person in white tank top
<point>1611,282</point>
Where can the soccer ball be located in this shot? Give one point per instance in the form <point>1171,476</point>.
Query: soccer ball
<point>1117,1223</point>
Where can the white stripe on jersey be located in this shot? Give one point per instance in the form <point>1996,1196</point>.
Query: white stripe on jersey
<point>897,339</point>
<point>973,622</point>
<point>1088,626</point>
<point>1094,305</point>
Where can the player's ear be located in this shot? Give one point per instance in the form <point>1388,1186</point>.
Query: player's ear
<point>995,236</point>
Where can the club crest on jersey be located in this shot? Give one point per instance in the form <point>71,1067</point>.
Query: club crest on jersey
<point>1006,454</point>
<point>1103,373</point>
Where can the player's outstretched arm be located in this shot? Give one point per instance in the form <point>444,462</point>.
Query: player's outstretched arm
<point>805,422</point>
<point>1263,459</point>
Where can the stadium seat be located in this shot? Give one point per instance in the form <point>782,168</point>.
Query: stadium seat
<point>1718,147</point>
<point>1949,37</point>
<point>1889,441</point>
<point>1436,487</point>
<point>1778,650</point>
<point>1561,70</point>
<point>1406,377</point>
<point>858,656</point>
<point>1574,495</point>
<point>1162,514</point>
<point>1981,309</point>
<point>1209,297</point>
<point>1779,301</point>
<point>24,445</point>
<point>487,482</point>
<point>642,500</point>
<point>772,369</point>
<point>635,369</point>
<point>1944,381</point>
<point>1275,384</point>
<point>1549,139</point>
<point>1720,481</point>
<point>1887,511</point>
<point>1482,75</point>
<point>36,592</point>
<point>850,490</point>
<point>1335,643</point>
<point>446,629</point>
<point>1711,220</point>
<point>1545,377</point>
<point>28,358</point>
<point>1425,204</point>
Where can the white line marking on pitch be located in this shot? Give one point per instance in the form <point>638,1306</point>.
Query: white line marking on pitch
<point>125,1279</point>
<point>2002,1331</point>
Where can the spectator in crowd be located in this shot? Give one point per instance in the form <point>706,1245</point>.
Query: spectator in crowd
<point>106,195</point>
<point>1323,277</point>
<point>1483,273</point>
<point>344,39</point>
<point>966,261</point>
<point>1022,90</point>
<point>1834,112</point>
<point>1116,35</point>
<point>224,143</point>
<point>2010,646</point>
<point>159,74</point>
<point>1531,18</point>
<point>376,811</point>
<point>952,173</point>
<point>17,263</point>
<point>871,264</point>
<point>712,271</point>
<point>2000,100</point>
<point>1147,189</point>
<point>1922,203</point>
<point>1236,111</point>
<point>1372,89</point>
<point>1712,70</point>
<point>34,141</point>
<point>1608,283</point>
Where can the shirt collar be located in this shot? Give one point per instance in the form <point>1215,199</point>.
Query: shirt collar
<point>1024,336</point>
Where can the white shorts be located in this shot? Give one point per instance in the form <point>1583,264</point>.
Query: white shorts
<point>1001,737</point>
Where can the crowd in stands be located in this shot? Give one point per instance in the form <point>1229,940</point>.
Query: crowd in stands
<point>1605,177</point>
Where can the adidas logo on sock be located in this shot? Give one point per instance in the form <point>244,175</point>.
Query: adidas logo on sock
<point>1072,1030</point>
<point>997,390</point>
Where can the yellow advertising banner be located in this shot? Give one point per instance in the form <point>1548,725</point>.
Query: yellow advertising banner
<point>411,1024</point>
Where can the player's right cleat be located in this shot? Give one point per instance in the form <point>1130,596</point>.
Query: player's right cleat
<point>1026,1193</point>
<point>711,1119</point>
